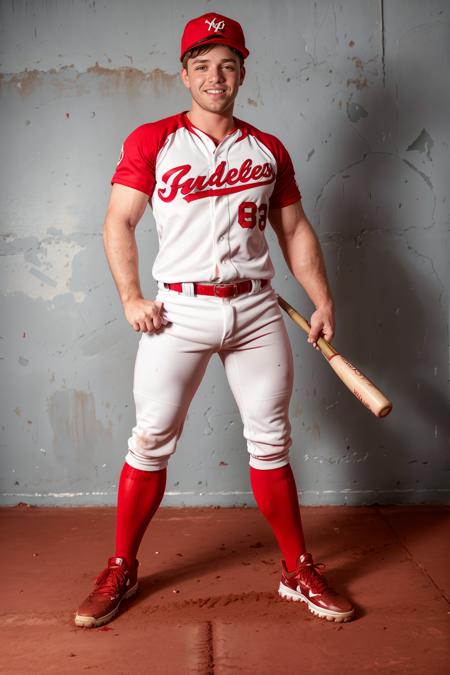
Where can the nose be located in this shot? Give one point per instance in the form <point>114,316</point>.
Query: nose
<point>215,74</point>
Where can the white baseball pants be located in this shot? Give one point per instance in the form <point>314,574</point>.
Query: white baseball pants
<point>249,335</point>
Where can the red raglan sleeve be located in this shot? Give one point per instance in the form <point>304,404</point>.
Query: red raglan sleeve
<point>286,190</point>
<point>136,165</point>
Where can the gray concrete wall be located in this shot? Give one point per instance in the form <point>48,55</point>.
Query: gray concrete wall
<point>358,90</point>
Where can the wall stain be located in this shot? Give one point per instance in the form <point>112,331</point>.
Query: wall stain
<point>109,80</point>
<point>132,78</point>
<point>78,436</point>
<point>358,62</point>
<point>358,82</point>
<point>25,81</point>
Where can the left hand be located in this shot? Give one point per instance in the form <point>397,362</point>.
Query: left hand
<point>322,324</point>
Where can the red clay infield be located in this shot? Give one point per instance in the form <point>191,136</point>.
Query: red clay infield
<point>208,604</point>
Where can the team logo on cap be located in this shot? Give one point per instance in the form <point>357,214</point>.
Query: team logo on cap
<point>217,25</point>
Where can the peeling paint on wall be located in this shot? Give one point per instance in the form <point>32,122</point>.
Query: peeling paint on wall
<point>39,268</point>
<point>355,111</point>
<point>423,144</point>
<point>347,458</point>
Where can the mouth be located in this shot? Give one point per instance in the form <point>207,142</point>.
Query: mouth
<point>215,92</point>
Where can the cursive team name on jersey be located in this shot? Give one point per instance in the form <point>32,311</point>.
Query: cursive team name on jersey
<point>220,182</point>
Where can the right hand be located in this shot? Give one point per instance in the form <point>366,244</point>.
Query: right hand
<point>144,315</point>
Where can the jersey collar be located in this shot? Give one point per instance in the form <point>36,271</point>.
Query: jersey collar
<point>238,126</point>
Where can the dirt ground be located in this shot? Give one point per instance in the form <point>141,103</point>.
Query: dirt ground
<point>208,604</point>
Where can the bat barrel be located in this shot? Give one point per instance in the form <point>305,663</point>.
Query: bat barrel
<point>386,410</point>
<point>364,390</point>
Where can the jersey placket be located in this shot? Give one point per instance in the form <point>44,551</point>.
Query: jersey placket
<point>223,269</point>
<point>222,223</point>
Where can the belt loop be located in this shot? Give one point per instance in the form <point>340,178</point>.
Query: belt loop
<point>188,288</point>
<point>256,286</point>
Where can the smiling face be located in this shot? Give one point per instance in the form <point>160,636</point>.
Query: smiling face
<point>213,79</point>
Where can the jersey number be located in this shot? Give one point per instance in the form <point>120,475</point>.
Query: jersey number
<point>249,215</point>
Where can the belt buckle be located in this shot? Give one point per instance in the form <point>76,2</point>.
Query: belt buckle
<point>233,286</point>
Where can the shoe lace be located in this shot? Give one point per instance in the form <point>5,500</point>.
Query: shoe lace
<point>110,580</point>
<point>310,576</point>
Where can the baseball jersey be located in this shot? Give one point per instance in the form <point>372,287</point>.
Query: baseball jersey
<point>210,200</point>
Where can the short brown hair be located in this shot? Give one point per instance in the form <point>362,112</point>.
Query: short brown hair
<point>204,49</point>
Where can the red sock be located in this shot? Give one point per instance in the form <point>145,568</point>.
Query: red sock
<point>140,493</point>
<point>276,495</point>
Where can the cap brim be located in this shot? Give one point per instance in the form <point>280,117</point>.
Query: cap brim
<point>216,39</point>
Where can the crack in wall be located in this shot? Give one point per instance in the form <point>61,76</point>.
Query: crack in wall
<point>429,184</point>
<point>421,173</point>
<point>363,159</point>
<point>383,43</point>
<point>333,175</point>
<point>359,237</point>
<point>434,271</point>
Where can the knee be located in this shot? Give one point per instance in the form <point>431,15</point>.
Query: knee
<point>151,448</point>
<point>145,440</point>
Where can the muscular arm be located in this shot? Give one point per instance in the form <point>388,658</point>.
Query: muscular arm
<point>304,258</point>
<point>125,209</point>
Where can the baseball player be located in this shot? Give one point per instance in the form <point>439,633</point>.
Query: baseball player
<point>213,183</point>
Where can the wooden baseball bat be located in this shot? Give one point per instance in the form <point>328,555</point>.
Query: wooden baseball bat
<point>364,390</point>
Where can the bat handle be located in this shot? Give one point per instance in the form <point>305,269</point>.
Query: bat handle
<point>325,347</point>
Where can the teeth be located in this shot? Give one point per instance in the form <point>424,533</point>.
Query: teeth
<point>215,91</point>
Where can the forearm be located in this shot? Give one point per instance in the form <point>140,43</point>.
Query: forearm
<point>305,260</point>
<point>122,254</point>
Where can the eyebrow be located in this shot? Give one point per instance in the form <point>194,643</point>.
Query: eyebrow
<point>229,60</point>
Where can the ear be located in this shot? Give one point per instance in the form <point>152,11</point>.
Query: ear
<point>242,75</point>
<point>185,78</point>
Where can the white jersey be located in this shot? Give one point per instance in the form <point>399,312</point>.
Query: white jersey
<point>210,201</point>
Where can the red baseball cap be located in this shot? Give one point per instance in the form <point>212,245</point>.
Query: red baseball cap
<point>213,29</point>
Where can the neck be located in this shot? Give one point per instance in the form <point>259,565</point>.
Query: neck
<point>216,125</point>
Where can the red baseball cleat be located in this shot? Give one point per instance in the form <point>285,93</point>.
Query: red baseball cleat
<point>308,585</point>
<point>114,584</point>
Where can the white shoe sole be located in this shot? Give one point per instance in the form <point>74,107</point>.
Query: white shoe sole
<point>328,614</point>
<point>93,622</point>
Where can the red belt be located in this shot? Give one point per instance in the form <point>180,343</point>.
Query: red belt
<point>219,290</point>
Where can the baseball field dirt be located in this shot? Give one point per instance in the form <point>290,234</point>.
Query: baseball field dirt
<point>208,600</point>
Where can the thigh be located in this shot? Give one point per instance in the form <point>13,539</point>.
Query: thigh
<point>260,374</point>
<point>167,374</point>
